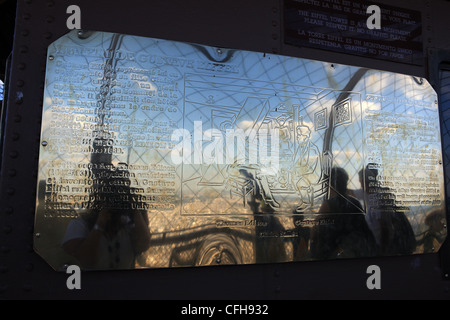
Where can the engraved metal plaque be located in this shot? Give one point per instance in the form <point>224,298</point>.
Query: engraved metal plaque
<point>158,154</point>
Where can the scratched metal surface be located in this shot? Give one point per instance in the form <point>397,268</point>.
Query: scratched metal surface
<point>354,170</point>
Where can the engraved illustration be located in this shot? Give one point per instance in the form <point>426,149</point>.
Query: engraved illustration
<point>304,164</point>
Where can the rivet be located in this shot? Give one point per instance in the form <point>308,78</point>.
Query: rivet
<point>7,229</point>
<point>219,51</point>
<point>17,118</point>
<point>3,288</point>
<point>27,287</point>
<point>50,3</point>
<point>274,9</point>
<point>274,36</point>
<point>38,235</point>
<point>51,58</point>
<point>44,143</point>
<point>26,16</point>
<point>19,98</point>
<point>22,66</point>
<point>15,136</point>
<point>20,83</point>
<point>12,173</point>
<point>4,269</point>
<point>25,33</point>
<point>29,267</point>
<point>23,49</point>
<point>218,261</point>
<point>10,191</point>
<point>13,154</point>
<point>9,210</point>
<point>50,19</point>
<point>4,249</point>
<point>80,33</point>
<point>48,35</point>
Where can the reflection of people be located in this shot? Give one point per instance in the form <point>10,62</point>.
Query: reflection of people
<point>380,221</point>
<point>269,243</point>
<point>436,232</point>
<point>340,200</point>
<point>391,228</point>
<point>344,231</point>
<point>108,237</point>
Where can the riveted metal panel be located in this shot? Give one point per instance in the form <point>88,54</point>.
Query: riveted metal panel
<point>250,25</point>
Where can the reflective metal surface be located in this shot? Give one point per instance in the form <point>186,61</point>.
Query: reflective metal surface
<point>159,154</point>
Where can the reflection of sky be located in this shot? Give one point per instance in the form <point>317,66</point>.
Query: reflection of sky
<point>279,80</point>
<point>1,90</point>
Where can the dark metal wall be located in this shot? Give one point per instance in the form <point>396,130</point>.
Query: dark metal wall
<point>250,25</point>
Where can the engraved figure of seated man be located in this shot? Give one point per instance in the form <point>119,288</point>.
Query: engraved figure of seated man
<point>306,172</point>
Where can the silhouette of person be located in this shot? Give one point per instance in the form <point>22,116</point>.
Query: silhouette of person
<point>390,226</point>
<point>340,200</point>
<point>344,232</point>
<point>112,234</point>
<point>269,245</point>
<point>435,220</point>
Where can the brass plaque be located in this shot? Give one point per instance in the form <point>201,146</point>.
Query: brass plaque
<point>158,154</point>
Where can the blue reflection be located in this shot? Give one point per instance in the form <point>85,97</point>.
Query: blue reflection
<point>1,90</point>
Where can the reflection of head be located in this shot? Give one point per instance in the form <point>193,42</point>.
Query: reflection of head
<point>368,174</point>
<point>339,180</point>
<point>435,219</point>
<point>303,133</point>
